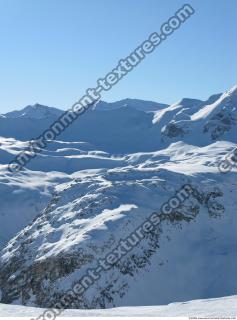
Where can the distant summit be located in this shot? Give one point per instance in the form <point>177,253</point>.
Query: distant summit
<point>138,104</point>
<point>36,111</point>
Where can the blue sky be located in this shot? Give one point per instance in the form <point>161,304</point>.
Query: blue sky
<point>53,50</point>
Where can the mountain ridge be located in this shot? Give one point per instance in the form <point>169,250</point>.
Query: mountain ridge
<point>101,180</point>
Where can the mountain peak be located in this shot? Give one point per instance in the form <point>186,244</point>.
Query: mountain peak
<point>188,102</point>
<point>138,104</point>
<point>36,111</point>
<point>232,91</point>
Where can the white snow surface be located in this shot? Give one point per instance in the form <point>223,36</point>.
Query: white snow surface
<point>219,307</point>
<point>99,181</point>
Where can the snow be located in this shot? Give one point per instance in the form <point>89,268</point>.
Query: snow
<point>100,180</point>
<point>219,307</point>
<point>122,130</point>
<point>98,208</point>
<point>23,197</point>
<point>209,108</point>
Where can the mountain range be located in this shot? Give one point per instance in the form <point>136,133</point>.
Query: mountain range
<point>105,175</point>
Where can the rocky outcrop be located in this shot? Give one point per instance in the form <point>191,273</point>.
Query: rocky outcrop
<point>34,272</point>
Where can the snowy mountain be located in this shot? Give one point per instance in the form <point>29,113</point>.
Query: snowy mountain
<point>147,106</point>
<point>108,173</point>
<point>38,111</point>
<point>207,122</point>
<point>88,216</point>
<point>35,111</point>
<point>127,130</point>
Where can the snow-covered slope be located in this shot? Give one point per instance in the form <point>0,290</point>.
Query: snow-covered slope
<point>132,129</point>
<point>202,123</point>
<point>221,307</point>
<point>23,197</point>
<point>87,217</point>
<point>108,173</point>
<point>108,130</point>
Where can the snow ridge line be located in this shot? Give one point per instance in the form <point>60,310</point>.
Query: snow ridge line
<point>93,96</point>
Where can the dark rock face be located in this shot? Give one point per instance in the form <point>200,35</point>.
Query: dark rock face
<point>172,130</point>
<point>222,122</point>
